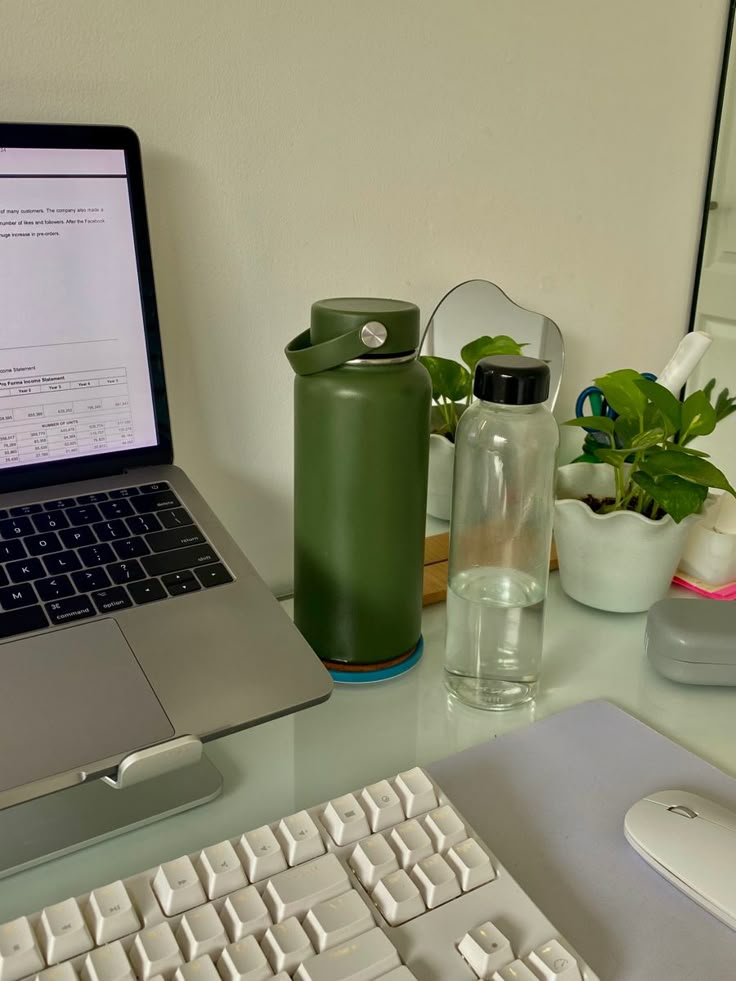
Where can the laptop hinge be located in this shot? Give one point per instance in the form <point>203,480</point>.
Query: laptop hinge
<point>154,761</point>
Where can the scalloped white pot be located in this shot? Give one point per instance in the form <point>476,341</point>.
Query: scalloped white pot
<point>620,562</point>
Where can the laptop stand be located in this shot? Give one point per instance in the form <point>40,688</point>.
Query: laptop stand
<point>48,827</point>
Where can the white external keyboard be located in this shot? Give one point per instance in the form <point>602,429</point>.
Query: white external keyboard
<point>389,882</point>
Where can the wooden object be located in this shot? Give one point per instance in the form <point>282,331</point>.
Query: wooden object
<point>436,553</point>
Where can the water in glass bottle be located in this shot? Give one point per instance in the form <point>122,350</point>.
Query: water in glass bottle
<point>500,535</point>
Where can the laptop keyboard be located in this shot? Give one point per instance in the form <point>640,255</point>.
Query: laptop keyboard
<point>79,557</point>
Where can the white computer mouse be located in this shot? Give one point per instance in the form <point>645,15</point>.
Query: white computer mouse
<point>691,842</point>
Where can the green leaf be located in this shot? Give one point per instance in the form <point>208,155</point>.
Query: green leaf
<point>676,496</point>
<point>484,347</point>
<point>695,469</point>
<point>606,455</point>
<point>449,379</point>
<point>688,449</point>
<point>669,406</point>
<point>708,390</point>
<point>600,423</point>
<point>698,417</point>
<point>626,430</point>
<point>622,393</point>
<point>644,441</point>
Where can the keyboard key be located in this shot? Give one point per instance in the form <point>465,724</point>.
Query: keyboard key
<point>416,792</point>
<point>445,828</point>
<point>54,588</point>
<point>23,509</point>
<point>382,806</point>
<point>109,963</point>
<point>107,531</point>
<point>411,843</point>
<point>156,501</point>
<point>398,898</point>
<point>244,961</point>
<point>144,523</point>
<point>201,933</point>
<point>12,550</point>
<point>436,880</point>
<point>77,537</point>
<point>16,528</point>
<point>179,559</point>
<point>486,949</point>
<point>110,600</point>
<point>4,514</point>
<point>177,886</point>
<point>71,609</point>
<point>91,579</point>
<point>84,515</point>
<point>202,969</point>
<point>124,492</point>
<point>515,971</point>
<point>22,622</point>
<point>175,518</point>
<point>244,914</point>
<point>13,597</point>
<point>43,544</point>
<point>116,509</point>
<point>286,945</point>
<point>372,859</point>
<point>553,962</point>
<point>26,570</point>
<point>111,914</point>
<point>261,854</point>
<point>338,920</point>
<point>345,819</point>
<point>130,548</point>
<point>50,521</point>
<point>59,972</point>
<point>124,572</point>
<point>293,892</point>
<point>219,869</point>
<point>400,974</point>
<point>4,581</point>
<point>92,498</point>
<point>93,555</point>
<point>19,953</point>
<point>180,583</point>
<point>61,504</point>
<point>155,951</point>
<point>300,838</point>
<point>63,932</point>
<point>146,591</point>
<point>213,575</point>
<point>368,956</point>
<point>165,541</point>
<point>160,485</point>
<point>62,562</point>
<point>471,864</point>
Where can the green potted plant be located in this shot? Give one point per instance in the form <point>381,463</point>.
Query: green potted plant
<point>621,522</point>
<point>452,393</point>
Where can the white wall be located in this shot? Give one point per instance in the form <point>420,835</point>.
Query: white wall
<point>295,150</point>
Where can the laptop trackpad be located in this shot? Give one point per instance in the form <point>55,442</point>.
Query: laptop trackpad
<point>70,698</point>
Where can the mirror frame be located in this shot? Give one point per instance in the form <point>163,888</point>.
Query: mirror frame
<point>715,139</point>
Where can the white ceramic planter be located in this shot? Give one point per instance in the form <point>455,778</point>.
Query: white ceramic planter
<point>439,489</point>
<point>621,562</point>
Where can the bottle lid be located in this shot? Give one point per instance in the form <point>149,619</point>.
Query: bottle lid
<point>511,379</point>
<point>384,326</point>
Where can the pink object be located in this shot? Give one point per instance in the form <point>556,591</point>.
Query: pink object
<point>723,592</point>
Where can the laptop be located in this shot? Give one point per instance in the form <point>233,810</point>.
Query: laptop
<point>128,616</point>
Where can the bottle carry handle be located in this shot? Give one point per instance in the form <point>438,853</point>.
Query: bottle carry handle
<point>308,359</point>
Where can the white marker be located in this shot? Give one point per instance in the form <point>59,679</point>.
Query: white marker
<point>684,361</point>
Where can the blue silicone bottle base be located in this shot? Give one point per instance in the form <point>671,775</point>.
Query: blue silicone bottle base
<point>363,677</point>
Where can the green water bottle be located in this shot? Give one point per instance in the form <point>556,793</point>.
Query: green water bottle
<point>361,444</point>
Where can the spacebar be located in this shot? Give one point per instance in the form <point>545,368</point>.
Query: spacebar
<point>181,558</point>
<point>22,621</point>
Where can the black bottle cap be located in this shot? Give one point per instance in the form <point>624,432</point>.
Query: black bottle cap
<point>511,380</point>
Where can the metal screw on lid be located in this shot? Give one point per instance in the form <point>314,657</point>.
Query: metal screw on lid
<point>373,334</point>
<point>511,379</point>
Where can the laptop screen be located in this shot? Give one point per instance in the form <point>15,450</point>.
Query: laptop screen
<point>74,367</point>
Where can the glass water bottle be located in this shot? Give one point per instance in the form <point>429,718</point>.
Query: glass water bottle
<point>500,535</point>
